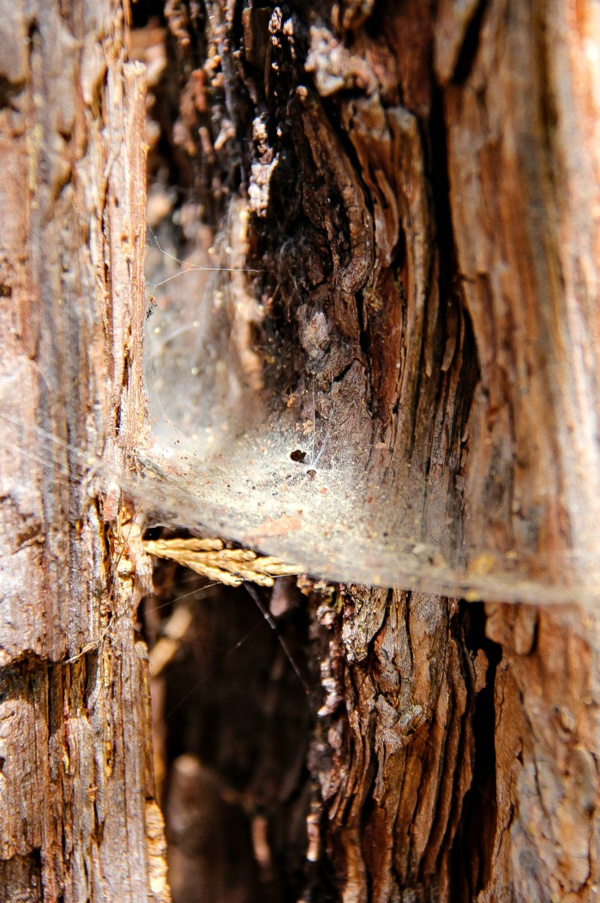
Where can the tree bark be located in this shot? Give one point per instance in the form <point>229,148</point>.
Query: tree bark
<point>77,819</point>
<point>421,181</point>
<point>412,189</point>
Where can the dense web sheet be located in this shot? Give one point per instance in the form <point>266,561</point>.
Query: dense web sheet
<point>267,469</point>
<point>263,468</point>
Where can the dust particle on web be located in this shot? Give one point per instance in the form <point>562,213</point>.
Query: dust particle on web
<point>278,526</point>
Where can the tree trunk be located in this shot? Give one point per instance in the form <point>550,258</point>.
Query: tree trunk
<point>407,200</point>
<point>421,182</point>
<point>77,820</point>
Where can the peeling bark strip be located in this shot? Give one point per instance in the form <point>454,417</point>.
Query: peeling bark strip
<point>76,819</point>
<point>422,181</point>
<point>523,161</point>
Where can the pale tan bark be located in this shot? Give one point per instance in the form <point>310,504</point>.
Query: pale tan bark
<point>77,818</point>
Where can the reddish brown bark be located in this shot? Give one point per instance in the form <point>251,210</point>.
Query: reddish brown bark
<point>421,186</point>
<point>77,819</point>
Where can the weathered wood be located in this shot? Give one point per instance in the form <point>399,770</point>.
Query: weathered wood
<point>522,110</point>
<point>77,819</point>
<point>422,184</point>
<point>417,191</point>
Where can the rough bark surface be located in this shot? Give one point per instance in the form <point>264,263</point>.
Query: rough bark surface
<point>421,181</point>
<point>77,816</point>
<point>413,187</point>
<point>521,108</point>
